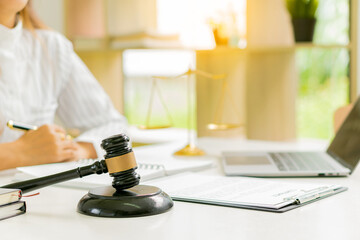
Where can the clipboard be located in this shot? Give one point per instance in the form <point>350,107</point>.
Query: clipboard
<point>248,193</point>
<point>280,210</point>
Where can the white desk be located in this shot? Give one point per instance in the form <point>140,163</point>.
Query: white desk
<point>52,214</point>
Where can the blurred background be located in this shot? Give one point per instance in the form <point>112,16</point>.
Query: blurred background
<point>282,88</point>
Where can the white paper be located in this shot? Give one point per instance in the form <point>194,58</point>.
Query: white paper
<point>237,191</point>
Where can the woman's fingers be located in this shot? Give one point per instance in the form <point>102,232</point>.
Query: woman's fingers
<point>58,129</point>
<point>68,144</point>
<point>68,155</point>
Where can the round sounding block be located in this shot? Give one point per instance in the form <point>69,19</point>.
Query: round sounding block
<point>141,200</point>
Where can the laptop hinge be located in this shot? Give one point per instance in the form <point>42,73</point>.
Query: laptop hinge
<point>342,162</point>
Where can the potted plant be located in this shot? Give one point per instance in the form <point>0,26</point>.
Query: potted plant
<point>303,18</point>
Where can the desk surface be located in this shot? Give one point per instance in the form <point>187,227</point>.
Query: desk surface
<point>52,214</point>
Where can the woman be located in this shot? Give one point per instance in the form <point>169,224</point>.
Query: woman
<point>41,77</point>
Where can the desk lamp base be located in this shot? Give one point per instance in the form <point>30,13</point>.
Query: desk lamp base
<point>141,200</point>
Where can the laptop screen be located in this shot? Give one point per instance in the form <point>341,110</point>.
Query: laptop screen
<point>345,147</point>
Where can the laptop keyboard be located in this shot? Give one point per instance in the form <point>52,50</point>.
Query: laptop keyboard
<point>299,161</point>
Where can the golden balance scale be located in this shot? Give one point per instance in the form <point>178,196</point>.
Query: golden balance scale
<point>191,149</point>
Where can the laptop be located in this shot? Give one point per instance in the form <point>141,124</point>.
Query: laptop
<point>340,159</point>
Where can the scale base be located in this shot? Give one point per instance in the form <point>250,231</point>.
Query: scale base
<point>223,126</point>
<point>138,201</point>
<point>146,127</point>
<point>190,150</point>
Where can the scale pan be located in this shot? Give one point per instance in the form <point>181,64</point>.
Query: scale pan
<point>143,127</point>
<point>222,126</point>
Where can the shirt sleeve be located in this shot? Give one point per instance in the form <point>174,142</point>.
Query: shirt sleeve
<point>84,105</point>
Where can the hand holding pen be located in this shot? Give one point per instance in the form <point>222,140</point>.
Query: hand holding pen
<point>44,144</point>
<point>26,127</point>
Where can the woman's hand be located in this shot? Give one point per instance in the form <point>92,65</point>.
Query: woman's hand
<point>47,144</point>
<point>84,150</point>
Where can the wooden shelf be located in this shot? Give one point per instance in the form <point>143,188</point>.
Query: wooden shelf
<point>325,46</point>
<point>111,44</point>
<point>279,48</point>
<point>91,44</point>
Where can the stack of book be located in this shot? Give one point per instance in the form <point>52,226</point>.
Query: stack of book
<point>10,204</point>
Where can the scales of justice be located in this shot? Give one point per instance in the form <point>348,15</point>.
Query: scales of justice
<point>217,123</point>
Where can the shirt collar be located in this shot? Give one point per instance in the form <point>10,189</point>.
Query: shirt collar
<point>10,36</point>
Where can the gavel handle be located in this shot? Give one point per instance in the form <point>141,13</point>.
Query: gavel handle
<point>99,167</point>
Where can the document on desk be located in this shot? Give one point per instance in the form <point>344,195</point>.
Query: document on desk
<point>244,192</point>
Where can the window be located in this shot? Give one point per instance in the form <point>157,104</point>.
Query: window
<point>324,71</point>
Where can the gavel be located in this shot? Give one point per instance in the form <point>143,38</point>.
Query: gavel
<point>115,201</point>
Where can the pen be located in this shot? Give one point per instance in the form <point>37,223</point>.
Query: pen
<point>20,126</point>
<point>26,127</point>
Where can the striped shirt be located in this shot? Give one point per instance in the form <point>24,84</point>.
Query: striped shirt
<point>43,80</point>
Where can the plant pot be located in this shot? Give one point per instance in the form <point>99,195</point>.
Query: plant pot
<point>220,39</point>
<point>303,29</point>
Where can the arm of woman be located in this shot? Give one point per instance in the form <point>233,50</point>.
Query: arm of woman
<point>84,105</point>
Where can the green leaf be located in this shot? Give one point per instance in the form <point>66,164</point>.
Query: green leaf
<point>302,8</point>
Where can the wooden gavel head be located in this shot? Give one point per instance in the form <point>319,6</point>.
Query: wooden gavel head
<point>120,161</point>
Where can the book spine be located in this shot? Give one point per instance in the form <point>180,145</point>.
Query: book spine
<point>19,211</point>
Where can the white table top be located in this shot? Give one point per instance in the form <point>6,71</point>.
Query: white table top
<point>52,214</point>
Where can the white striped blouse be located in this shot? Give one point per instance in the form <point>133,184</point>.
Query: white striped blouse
<point>41,78</point>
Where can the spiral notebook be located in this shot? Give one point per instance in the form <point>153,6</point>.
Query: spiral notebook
<point>146,171</point>
<point>153,162</point>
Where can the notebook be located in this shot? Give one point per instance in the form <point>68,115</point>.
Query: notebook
<point>8,195</point>
<point>340,159</point>
<point>12,209</point>
<point>146,171</point>
<point>154,161</point>
<point>244,192</point>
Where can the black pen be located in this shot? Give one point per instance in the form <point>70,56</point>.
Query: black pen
<point>26,127</point>
<point>20,126</point>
